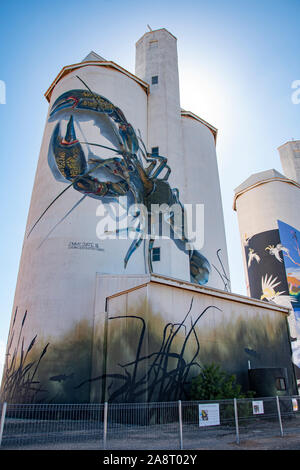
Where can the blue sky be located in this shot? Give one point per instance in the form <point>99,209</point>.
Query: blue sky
<point>237,62</point>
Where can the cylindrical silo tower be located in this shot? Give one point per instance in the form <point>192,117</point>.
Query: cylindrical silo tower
<point>189,142</point>
<point>267,206</point>
<point>260,201</point>
<point>62,251</point>
<point>112,140</point>
<point>201,185</point>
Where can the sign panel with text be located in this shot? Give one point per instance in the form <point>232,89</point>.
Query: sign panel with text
<point>209,414</point>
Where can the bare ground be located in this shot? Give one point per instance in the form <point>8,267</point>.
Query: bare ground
<point>255,436</point>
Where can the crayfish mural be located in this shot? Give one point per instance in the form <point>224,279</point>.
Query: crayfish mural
<point>131,171</point>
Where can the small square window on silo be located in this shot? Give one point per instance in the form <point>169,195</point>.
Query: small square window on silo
<point>156,254</point>
<point>154,80</point>
<point>155,151</point>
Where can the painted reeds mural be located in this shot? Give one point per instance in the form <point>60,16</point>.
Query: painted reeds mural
<point>20,381</point>
<point>162,375</point>
<point>146,358</point>
<point>45,371</point>
<point>222,272</point>
<point>151,355</point>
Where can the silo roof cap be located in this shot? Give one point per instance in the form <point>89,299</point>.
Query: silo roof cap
<point>261,178</point>
<point>93,59</point>
<point>93,56</point>
<point>258,177</point>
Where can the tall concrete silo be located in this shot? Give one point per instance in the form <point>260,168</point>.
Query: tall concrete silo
<point>262,200</point>
<point>100,116</point>
<point>188,141</point>
<point>267,206</point>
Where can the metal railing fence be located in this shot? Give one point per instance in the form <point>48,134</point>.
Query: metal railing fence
<point>143,426</point>
<point>258,417</point>
<point>168,425</point>
<point>290,414</point>
<point>45,424</point>
<point>197,430</point>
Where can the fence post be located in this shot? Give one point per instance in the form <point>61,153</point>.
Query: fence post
<point>180,425</point>
<point>236,421</point>
<point>105,425</point>
<point>3,414</point>
<point>279,415</point>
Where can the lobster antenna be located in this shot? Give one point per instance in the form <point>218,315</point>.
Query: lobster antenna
<point>62,192</point>
<point>103,146</point>
<point>63,218</point>
<point>96,98</point>
<point>80,176</point>
<point>142,142</point>
<point>48,207</point>
<point>87,87</point>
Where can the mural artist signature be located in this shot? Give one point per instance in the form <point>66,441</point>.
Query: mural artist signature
<point>84,246</point>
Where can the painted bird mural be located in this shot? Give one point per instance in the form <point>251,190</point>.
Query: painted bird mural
<point>275,250</point>
<point>268,285</point>
<point>252,256</point>
<point>246,239</point>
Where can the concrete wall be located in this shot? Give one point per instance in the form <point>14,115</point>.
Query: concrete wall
<point>181,328</point>
<point>140,323</point>
<point>53,310</point>
<point>156,55</point>
<point>201,185</point>
<point>188,144</point>
<point>55,282</point>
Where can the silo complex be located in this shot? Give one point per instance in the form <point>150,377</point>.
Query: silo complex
<point>112,140</point>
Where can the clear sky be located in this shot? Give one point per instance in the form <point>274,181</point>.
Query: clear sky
<point>237,62</point>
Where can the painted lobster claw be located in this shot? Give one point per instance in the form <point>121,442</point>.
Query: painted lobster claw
<point>67,151</point>
<point>71,164</point>
<point>199,268</point>
<point>82,99</point>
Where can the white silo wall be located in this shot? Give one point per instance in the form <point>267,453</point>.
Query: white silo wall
<point>270,267</point>
<point>62,254</point>
<point>156,55</point>
<point>200,185</point>
<point>188,144</point>
<point>56,283</point>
